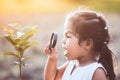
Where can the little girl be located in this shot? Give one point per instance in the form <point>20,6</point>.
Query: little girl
<point>85,43</point>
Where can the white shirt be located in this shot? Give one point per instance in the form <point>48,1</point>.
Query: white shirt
<point>81,73</point>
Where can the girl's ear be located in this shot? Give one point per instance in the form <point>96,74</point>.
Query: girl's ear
<point>87,44</point>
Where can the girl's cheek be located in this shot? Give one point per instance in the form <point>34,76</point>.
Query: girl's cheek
<point>67,42</point>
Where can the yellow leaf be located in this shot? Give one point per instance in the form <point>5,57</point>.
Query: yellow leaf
<point>10,40</point>
<point>11,53</point>
<point>18,41</point>
<point>27,58</point>
<point>29,34</point>
<point>30,44</point>
<point>19,53</point>
<point>32,32</point>
<point>9,31</point>
<point>27,37</point>
<point>14,25</point>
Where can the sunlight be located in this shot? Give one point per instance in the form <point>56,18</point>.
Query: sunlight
<point>32,6</point>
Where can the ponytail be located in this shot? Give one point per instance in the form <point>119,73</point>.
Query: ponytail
<point>106,60</point>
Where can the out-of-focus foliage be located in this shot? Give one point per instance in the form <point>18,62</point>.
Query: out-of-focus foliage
<point>19,39</point>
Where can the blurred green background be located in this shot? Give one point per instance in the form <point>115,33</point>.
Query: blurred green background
<point>50,16</point>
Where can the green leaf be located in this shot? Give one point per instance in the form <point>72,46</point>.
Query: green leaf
<point>11,53</point>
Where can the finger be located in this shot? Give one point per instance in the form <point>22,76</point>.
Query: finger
<point>47,46</point>
<point>54,50</point>
<point>46,51</point>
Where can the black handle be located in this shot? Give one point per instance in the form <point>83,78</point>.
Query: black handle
<point>53,40</point>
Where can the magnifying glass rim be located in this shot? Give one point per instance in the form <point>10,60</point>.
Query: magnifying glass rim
<point>53,40</point>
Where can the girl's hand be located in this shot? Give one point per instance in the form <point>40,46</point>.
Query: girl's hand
<point>52,54</point>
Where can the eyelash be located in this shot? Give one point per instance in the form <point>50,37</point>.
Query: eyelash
<point>67,36</point>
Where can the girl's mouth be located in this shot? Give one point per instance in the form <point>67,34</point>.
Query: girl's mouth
<point>65,53</point>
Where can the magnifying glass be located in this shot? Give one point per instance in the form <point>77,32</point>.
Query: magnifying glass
<point>53,40</point>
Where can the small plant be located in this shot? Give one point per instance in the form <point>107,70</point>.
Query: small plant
<point>18,36</point>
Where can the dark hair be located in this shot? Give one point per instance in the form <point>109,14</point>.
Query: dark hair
<point>92,25</point>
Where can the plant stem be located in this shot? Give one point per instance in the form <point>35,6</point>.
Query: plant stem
<point>20,69</point>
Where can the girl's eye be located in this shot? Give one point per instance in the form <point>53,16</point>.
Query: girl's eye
<point>68,37</point>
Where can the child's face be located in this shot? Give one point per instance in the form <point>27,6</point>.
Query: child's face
<point>70,43</point>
